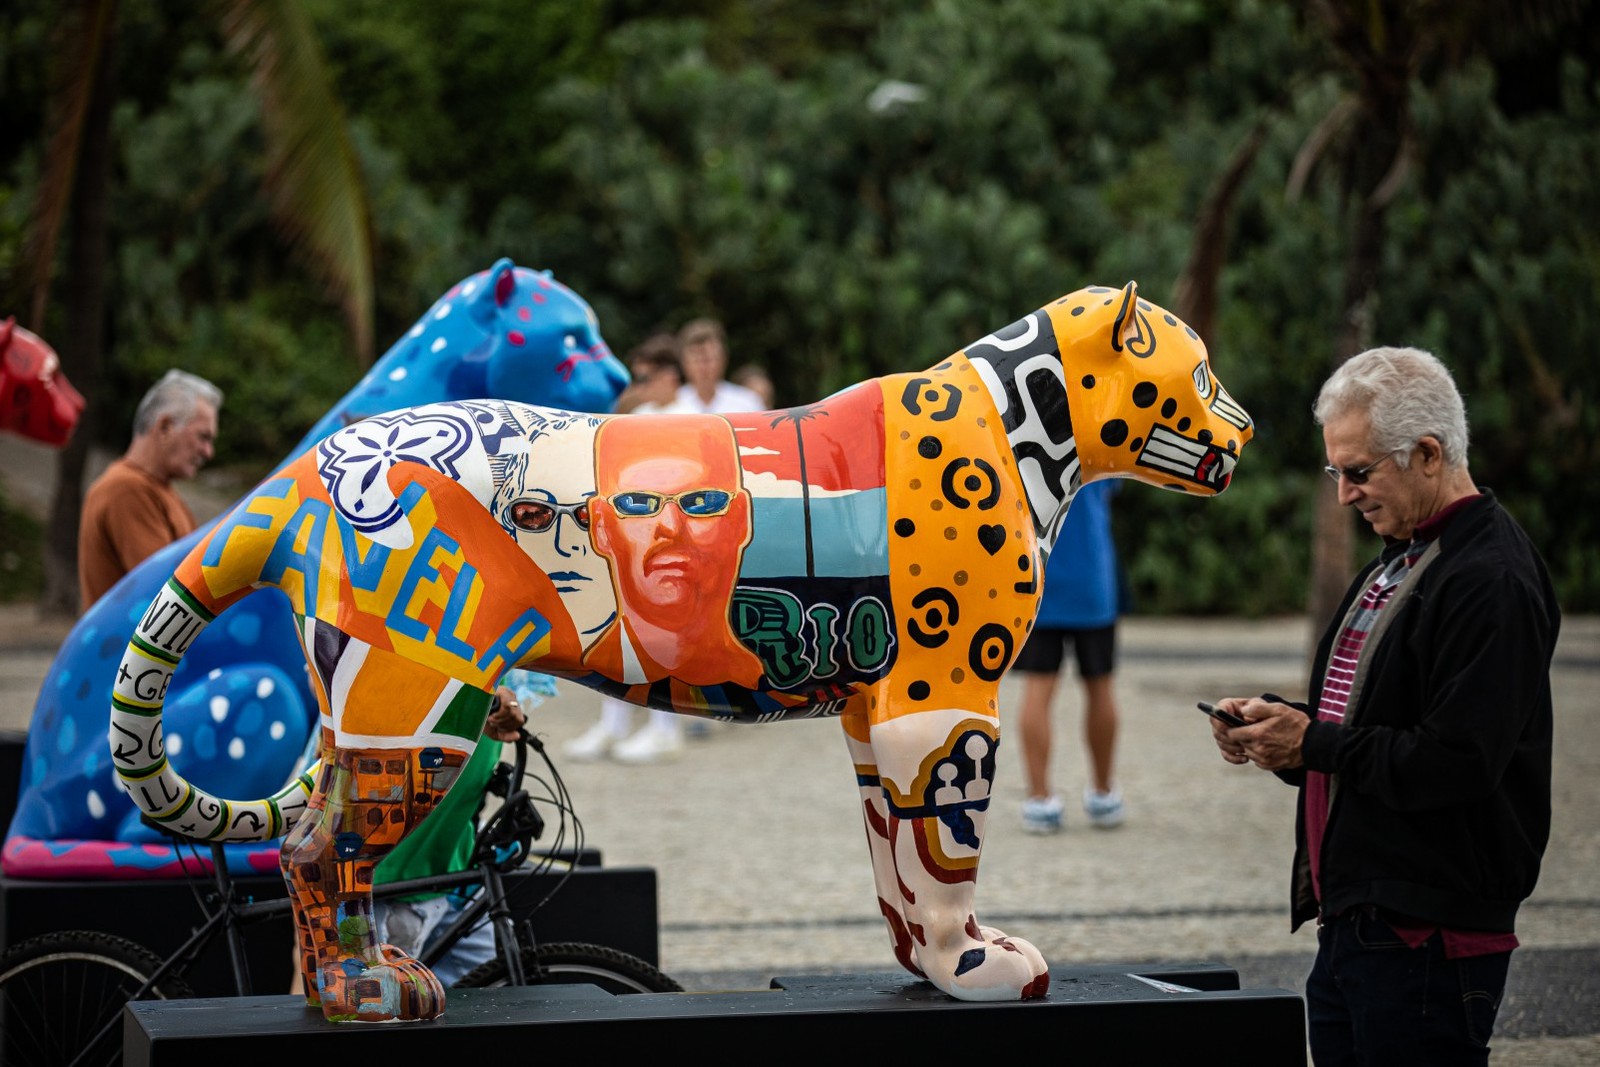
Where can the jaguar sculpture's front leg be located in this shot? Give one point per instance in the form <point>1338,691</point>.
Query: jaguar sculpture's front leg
<point>925,781</point>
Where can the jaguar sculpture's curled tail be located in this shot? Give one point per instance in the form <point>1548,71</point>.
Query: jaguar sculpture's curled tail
<point>874,556</point>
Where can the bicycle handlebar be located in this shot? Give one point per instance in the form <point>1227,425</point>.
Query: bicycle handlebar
<point>507,838</point>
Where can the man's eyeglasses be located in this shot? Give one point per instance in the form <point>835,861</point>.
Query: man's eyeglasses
<point>1355,475</point>
<point>639,503</point>
<point>537,516</point>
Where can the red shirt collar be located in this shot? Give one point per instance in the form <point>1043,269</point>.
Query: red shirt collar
<point>1430,528</point>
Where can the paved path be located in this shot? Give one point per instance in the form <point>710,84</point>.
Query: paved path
<point>763,870</point>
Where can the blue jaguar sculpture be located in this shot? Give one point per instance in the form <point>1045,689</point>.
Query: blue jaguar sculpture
<point>240,709</point>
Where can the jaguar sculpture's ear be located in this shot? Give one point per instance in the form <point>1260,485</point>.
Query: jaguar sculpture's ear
<point>502,283</point>
<point>1129,331</point>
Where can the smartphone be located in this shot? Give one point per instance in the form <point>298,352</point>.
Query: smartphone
<point>1221,716</point>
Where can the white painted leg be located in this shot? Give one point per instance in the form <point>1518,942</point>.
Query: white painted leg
<point>936,769</point>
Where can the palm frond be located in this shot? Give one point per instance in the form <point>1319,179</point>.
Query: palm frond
<point>313,177</point>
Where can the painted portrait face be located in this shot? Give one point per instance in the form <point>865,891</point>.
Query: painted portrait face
<point>672,515</point>
<point>545,503</point>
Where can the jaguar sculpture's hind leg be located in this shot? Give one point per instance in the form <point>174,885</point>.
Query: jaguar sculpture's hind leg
<point>925,781</point>
<point>364,802</point>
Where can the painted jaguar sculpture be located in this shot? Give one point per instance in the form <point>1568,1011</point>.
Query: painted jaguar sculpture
<point>874,556</point>
<point>241,709</point>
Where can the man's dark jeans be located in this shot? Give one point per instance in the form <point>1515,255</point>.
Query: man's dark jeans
<point>1372,1000</point>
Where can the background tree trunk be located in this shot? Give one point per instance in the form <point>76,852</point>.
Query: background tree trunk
<point>1333,540</point>
<point>82,343</point>
<point>1194,295</point>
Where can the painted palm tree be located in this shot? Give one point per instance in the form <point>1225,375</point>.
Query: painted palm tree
<point>313,180</point>
<point>799,416</point>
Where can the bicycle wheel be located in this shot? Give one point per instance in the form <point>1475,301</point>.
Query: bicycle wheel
<point>58,990</point>
<point>575,963</point>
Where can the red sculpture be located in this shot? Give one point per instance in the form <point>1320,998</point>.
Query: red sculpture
<point>36,400</point>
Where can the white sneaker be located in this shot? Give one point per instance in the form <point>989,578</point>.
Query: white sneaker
<point>591,745</point>
<point>648,745</point>
<point>1103,809</point>
<point>1041,815</point>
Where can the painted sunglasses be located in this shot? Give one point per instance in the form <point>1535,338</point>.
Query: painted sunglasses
<point>700,503</point>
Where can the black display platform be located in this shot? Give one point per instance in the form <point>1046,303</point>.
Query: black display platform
<point>613,906</point>
<point>1132,1014</point>
<point>12,745</point>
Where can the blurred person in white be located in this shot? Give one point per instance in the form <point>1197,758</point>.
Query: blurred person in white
<point>706,389</point>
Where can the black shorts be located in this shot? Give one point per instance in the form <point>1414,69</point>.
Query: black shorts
<point>1045,650</point>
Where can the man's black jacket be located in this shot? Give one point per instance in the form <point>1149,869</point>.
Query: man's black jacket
<point>1440,801</point>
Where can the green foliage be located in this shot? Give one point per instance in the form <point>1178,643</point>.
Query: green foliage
<point>1519,316</point>
<point>279,372</point>
<point>858,189</point>
<point>1246,552</point>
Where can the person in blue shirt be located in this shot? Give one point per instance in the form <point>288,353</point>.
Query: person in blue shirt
<point>1079,608</point>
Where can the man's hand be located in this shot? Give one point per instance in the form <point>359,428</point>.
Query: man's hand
<point>1272,738</point>
<point>506,719</point>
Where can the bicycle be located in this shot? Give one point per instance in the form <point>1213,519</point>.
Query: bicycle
<point>62,993</point>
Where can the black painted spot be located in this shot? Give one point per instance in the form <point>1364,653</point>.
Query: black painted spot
<point>1205,436</point>
<point>1170,321</point>
<point>973,481</point>
<point>1169,408</point>
<point>918,690</point>
<point>1088,381</point>
<point>1114,433</point>
<point>990,651</point>
<point>1145,394</point>
<point>1190,331</point>
<point>1023,563</point>
<point>1183,424</point>
<point>1078,311</point>
<point>905,527</point>
<point>929,448</point>
<point>933,607</point>
<point>1136,445</point>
